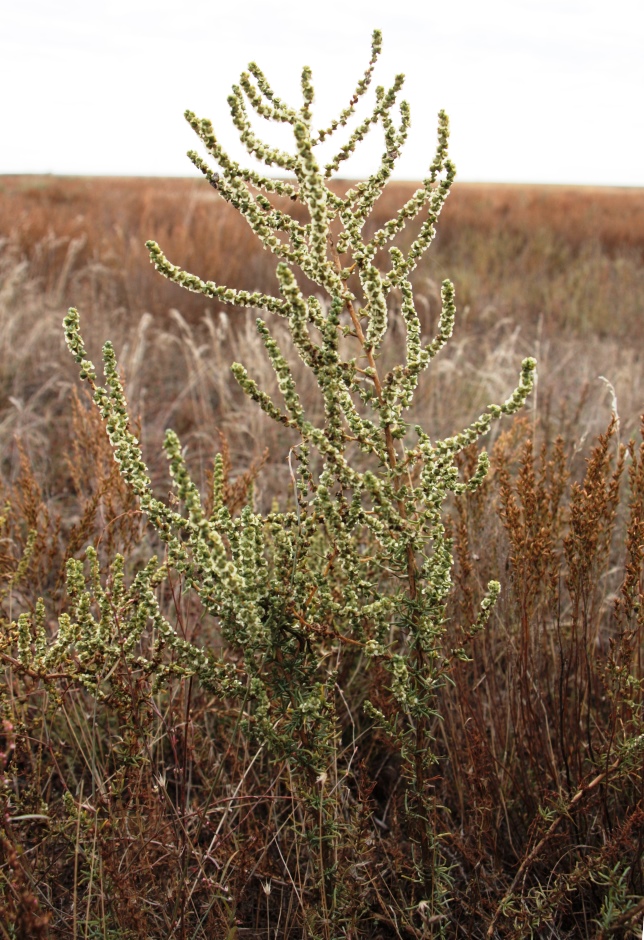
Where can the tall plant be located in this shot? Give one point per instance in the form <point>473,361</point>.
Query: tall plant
<point>358,563</point>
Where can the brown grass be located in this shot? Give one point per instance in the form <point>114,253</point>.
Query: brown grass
<point>151,815</point>
<point>561,255</point>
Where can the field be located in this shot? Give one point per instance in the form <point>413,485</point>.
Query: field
<point>153,813</point>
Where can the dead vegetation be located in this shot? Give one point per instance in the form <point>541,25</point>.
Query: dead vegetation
<point>151,814</point>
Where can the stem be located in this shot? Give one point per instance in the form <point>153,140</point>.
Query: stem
<point>412,579</point>
<point>532,855</point>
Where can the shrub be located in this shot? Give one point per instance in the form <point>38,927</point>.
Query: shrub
<point>360,562</point>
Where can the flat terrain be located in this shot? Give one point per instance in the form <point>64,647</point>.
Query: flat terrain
<point>509,242</point>
<point>554,271</point>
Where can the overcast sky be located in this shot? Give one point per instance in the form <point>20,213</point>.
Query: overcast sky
<point>548,91</point>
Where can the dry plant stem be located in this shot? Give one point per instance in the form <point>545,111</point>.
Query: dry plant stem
<point>534,853</point>
<point>632,917</point>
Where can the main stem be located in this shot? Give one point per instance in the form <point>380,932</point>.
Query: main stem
<point>412,579</point>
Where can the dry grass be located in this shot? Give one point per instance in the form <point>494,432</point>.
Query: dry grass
<point>571,257</point>
<point>151,814</point>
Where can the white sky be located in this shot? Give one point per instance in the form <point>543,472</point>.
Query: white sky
<point>536,90</point>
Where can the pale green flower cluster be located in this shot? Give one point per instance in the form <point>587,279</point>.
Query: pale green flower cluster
<point>103,627</point>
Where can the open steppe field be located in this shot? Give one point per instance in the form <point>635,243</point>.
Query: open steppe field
<point>554,271</point>
<point>152,809</point>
